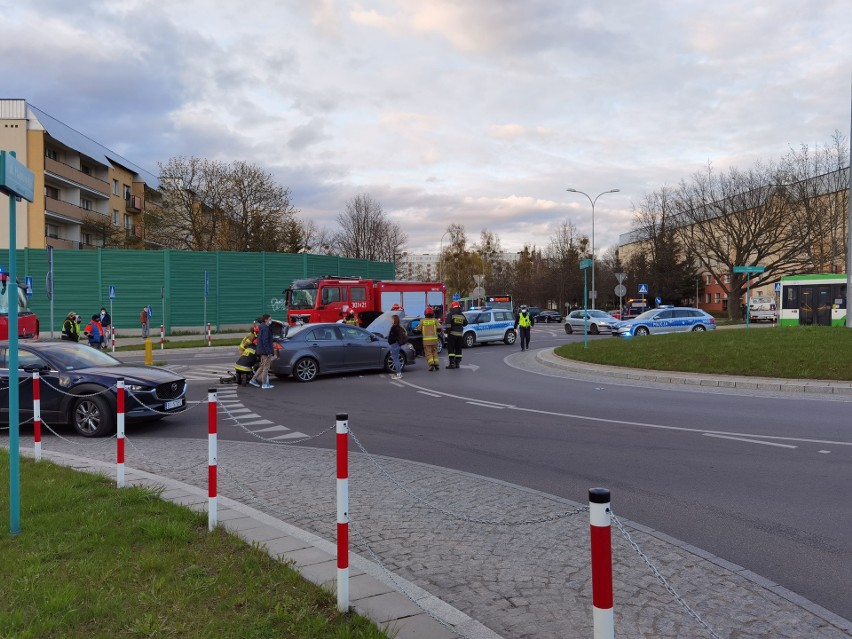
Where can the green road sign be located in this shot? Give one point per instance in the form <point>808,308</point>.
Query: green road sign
<point>584,264</point>
<point>749,269</point>
<point>16,180</point>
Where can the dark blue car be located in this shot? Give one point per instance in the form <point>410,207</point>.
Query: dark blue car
<point>78,387</point>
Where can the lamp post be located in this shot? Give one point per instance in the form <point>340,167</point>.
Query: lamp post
<point>592,202</point>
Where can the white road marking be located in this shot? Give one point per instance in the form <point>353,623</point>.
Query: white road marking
<point>824,452</point>
<point>429,394</point>
<point>488,405</point>
<point>753,441</point>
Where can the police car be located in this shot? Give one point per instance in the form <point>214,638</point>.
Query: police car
<point>489,325</point>
<point>666,319</point>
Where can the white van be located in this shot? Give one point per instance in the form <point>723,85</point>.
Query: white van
<point>762,309</point>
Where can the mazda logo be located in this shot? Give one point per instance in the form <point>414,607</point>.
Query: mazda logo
<point>174,386</point>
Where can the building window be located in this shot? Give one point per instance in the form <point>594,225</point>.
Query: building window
<point>52,192</point>
<point>717,298</point>
<point>115,187</point>
<point>707,279</point>
<point>727,279</point>
<point>127,220</point>
<point>51,230</point>
<point>86,204</point>
<point>115,217</point>
<point>52,154</point>
<point>86,169</point>
<point>707,298</point>
<point>126,192</point>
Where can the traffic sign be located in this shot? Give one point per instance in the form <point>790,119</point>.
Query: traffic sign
<point>658,300</point>
<point>620,290</point>
<point>620,277</point>
<point>29,281</point>
<point>150,311</point>
<point>777,287</point>
<point>112,291</point>
<point>584,264</point>
<point>16,180</point>
<point>643,289</point>
<point>749,269</point>
<point>456,297</point>
<point>477,292</point>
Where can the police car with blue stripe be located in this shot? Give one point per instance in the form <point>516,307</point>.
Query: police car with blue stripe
<point>666,319</point>
<point>489,325</point>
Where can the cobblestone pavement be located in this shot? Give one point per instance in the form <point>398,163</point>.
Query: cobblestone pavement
<point>463,538</point>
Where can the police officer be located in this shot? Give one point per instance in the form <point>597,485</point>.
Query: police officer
<point>71,328</point>
<point>456,321</point>
<point>430,328</point>
<point>524,322</point>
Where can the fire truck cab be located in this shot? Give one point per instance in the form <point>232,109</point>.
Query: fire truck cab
<point>330,298</point>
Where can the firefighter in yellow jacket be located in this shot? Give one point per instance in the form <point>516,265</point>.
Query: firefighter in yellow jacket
<point>430,328</point>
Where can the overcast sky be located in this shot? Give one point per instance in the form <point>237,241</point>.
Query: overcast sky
<point>481,112</point>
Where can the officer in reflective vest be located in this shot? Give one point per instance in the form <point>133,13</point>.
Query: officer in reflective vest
<point>431,331</point>
<point>524,323</point>
<point>456,321</point>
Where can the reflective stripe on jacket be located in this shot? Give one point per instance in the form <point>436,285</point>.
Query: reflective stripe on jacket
<point>429,328</point>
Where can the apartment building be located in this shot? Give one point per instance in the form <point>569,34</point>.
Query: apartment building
<point>426,267</point>
<point>86,196</point>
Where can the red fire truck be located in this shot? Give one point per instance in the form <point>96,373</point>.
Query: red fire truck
<point>330,298</point>
<point>27,320</point>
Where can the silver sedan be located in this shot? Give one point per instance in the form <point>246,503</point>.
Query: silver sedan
<point>598,322</point>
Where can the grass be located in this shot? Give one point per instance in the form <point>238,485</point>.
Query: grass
<point>96,561</point>
<point>800,352</point>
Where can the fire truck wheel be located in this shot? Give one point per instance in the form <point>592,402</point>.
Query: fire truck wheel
<point>306,369</point>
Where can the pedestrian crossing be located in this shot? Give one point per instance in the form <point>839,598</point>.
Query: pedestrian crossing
<point>231,410</point>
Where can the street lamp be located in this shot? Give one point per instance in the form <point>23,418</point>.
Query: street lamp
<point>594,290</point>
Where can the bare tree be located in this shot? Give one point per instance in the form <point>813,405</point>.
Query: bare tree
<point>740,218</point>
<point>818,181</point>
<point>567,246</point>
<point>458,263</point>
<point>366,233</point>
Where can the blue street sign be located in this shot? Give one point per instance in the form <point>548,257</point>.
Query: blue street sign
<point>29,281</point>
<point>456,297</point>
<point>658,300</point>
<point>777,287</point>
<point>643,289</point>
<point>150,311</point>
<point>112,291</point>
<point>206,284</point>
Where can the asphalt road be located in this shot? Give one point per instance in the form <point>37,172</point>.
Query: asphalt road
<point>760,479</point>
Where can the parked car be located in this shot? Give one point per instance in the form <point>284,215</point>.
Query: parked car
<point>490,325</point>
<point>666,320</point>
<point>78,387</point>
<point>546,317</point>
<point>598,322</point>
<point>323,348</point>
<point>381,327</point>
<point>534,312</point>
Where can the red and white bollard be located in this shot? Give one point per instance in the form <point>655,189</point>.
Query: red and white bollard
<point>112,332</point>
<point>600,519</point>
<point>119,435</point>
<point>212,469</point>
<point>37,415</point>
<point>342,429</point>
<point>209,339</point>
<point>162,337</point>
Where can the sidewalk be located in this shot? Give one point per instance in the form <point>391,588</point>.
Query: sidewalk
<point>462,546</point>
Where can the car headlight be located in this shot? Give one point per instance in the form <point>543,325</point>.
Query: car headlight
<point>135,387</point>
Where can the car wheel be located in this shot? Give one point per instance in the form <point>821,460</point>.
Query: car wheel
<point>641,331</point>
<point>594,330</point>
<point>93,417</point>
<point>306,369</point>
<point>440,346</point>
<point>389,368</point>
<point>568,329</point>
<point>469,340</point>
<point>510,337</point>
<point>698,328</point>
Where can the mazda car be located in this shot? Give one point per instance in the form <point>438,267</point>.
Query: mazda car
<point>79,387</point>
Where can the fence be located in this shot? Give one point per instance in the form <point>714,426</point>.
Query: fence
<point>239,286</point>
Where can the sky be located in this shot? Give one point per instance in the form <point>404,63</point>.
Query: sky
<point>478,112</point>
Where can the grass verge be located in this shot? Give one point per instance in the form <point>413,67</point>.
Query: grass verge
<point>96,561</point>
<point>796,352</point>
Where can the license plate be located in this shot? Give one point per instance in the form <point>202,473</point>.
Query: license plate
<point>175,403</point>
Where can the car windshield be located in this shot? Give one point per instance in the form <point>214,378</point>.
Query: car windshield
<point>472,316</point>
<point>302,298</point>
<point>381,325</point>
<point>596,313</point>
<point>647,315</point>
<point>70,357</point>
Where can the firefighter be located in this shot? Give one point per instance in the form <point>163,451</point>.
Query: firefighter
<point>245,363</point>
<point>456,321</point>
<point>350,318</point>
<point>430,328</point>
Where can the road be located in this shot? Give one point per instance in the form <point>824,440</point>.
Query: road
<point>759,479</point>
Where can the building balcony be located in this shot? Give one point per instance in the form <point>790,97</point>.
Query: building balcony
<point>67,210</point>
<point>76,177</point>
<point>133,204</point>
<point>133,232</point>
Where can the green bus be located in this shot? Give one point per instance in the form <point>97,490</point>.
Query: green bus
<point>813,300</point>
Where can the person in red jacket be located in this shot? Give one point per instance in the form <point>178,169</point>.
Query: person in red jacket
<point>94,332</point>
